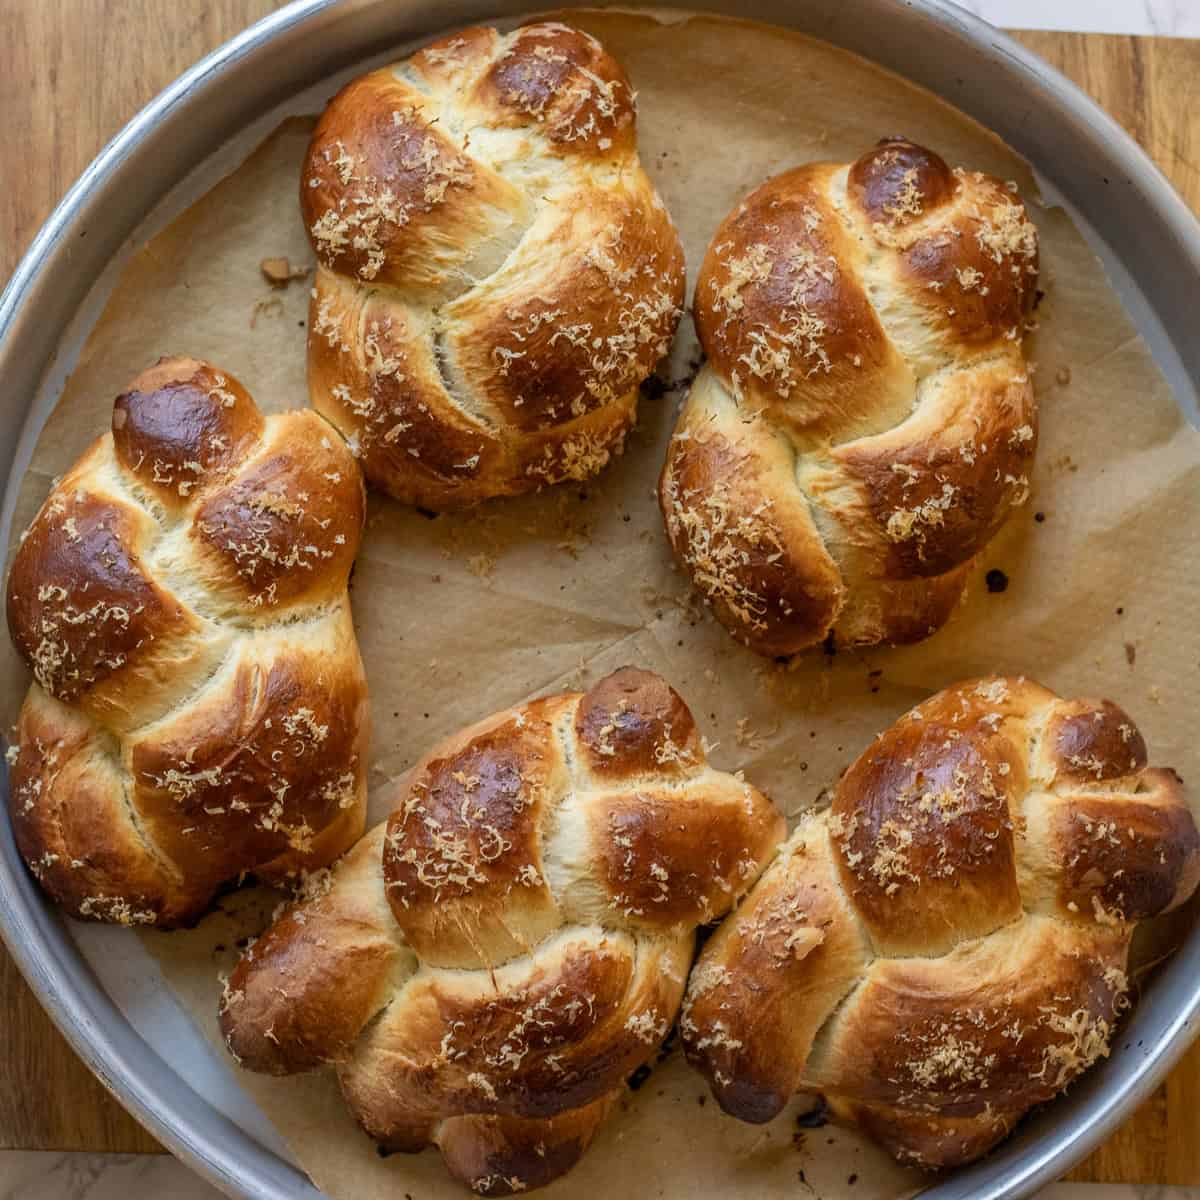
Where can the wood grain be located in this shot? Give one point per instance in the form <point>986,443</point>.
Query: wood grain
<point>76,70</point>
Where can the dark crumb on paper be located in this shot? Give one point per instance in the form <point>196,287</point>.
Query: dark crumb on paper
<point>1063,376</point>
<point>384,1152</point>
<point>1130,653</point>
<point>654,387</point>
<point>702,1100</point>
<point>639,1077</point>
<point>996,580</point>
<point>1039,517</point>
<point>428,513</point>
<point>851,1180</point>
<point>1121,611</point>
<point>1038,297</point>
<point>873,678</point>
<point>817,1117</point>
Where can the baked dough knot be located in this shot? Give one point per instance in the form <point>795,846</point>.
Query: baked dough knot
<point>865,421</point>
<point>199,708</point>
<point>487,967</point>
<point>946,945</point>
<point>496,273</point>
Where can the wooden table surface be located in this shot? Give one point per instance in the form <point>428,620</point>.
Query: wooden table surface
<point>76,71</point>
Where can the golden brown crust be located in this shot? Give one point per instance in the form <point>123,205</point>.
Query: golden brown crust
<point>501,1156</point>
<point>520,931</point>
<point>634,723</point>
<point>746,534</point>
<point>496,275</point>
<point>866,412</point>
<point>793,953</point>
<point>337,938</point>
<point>469,826</point>
<point>945,946</point>
<point>199,709</point>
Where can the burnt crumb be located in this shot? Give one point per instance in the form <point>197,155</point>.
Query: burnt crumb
<point>702,1100</point>
<point>242,942</point>
<point>996,580</point>
<point>829,645</point>
<point>1038,297</point>
<point>219,948</point>
<point>384,1152</point>
<point>817,1117</point>
<point>626,518</point>
<point>1130,653</point>
<point>1121,611</point>
<point>428,513</point>
<point>1039,517</point>
<point>781,660</point>
<point>874,679</point>
<point>654,387</point>
<point>639,1077</point>
<point>851,1180</point>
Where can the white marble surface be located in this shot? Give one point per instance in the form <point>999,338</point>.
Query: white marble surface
<point>1177,18</point>
<point>33,1176</point>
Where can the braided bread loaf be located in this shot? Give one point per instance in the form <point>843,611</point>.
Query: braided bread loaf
<point>865,420</point>
<point>488,967</point>
<point>496,273</point>
<point>199,705</point>
<point>946,945</point>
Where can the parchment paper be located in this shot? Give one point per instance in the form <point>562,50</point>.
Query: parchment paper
<point>461,615</point>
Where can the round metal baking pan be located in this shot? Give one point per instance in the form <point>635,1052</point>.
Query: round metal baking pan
<point>1153,240</point>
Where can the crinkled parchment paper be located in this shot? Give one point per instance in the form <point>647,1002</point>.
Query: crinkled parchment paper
<point>461,615</point>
